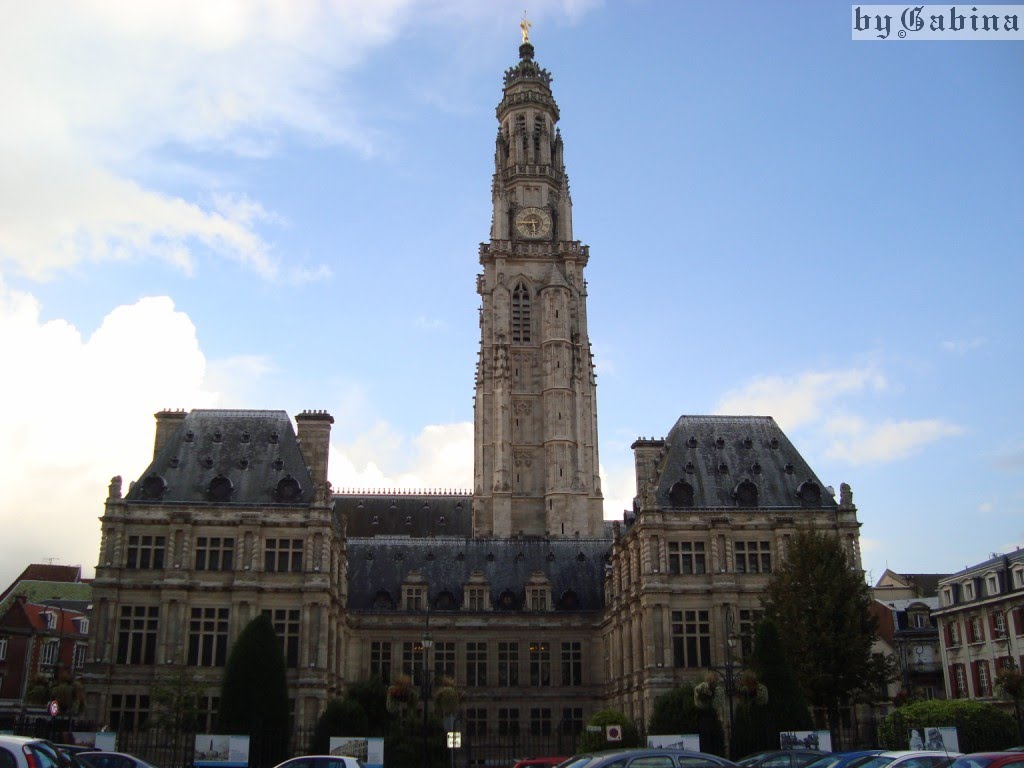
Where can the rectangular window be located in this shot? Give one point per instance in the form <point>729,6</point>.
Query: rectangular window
<point>128,711</point>
<point>572,720</point>
<point>975,632</point>
<point>476,664</point>
<point>959,682</point>
<point>953,630</point>
<point>415,598</point>
<point>208,637</point>
<point>508,721</point>
<point>215,553</point>
<point>477,598</point>
<point>508,664</point>
<point>538,598</point>
<point>540,664</point>
<point>146,552</point>
<point>1018,578</point>
<point>686,557</point>
<point>48,653</point>
<point>286,623</point>
<point>380,659</point>
<point>136,634</point>
<point>572,663</point>
<point>753,556</point>
<point>3,648</point>
<point>50,617</point>
<point>968,590</point>
<point>412,660</point>
<point>444,660</point>
<point>992,585</point>
<point>691,639</point>
<point>206,714</point>
<point>947,596</point>
<point>283,556</point>
<point>540,721</point>
<point>999,622</point>
<point>984,679</point>
<point>476,721</point>
<point>83,626</point>
<point>80,651</point>
<point>919,620</point>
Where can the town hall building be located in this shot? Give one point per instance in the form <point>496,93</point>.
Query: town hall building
<point>539,608</point>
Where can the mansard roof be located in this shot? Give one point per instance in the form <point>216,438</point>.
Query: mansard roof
<point>718,455</point>
<point>406,513</point>
<point>223,456</point>
<point>573,567</point>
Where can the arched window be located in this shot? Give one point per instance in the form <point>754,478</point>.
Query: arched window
<point>521,313</point>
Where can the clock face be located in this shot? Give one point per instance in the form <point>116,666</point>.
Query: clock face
<point>533,223</point>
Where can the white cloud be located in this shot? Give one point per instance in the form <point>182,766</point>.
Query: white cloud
<point>440,456</point>
<point>857,442</point>
<point>963,346</point>
<point>618,483</point>
<point>80,410</point>
<point>117,82</point>
<point>798,400</point>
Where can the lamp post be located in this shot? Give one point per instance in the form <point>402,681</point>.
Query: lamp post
<point>428,643</point>
<point>728,672</point>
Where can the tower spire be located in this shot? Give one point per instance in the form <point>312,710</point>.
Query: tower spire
<point>535,424</point>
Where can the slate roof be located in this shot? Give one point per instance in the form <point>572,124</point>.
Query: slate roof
<point>406,514</point>
<point>254,450</point>
<point>46,572</point>
<point>715,454</point>
<point>76,596</point>
<point>570,565</point>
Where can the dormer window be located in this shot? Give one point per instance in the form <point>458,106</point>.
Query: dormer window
<point>83,626</point>
<point>1018,578</point>
<point>414,592</point>
<point>947,596</point>
<point>50,617</point>
<point>992,585</point>
<point>967,590</point>
<point>538,592</point>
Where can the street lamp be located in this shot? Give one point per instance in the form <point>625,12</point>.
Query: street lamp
<point>428,643</point>
<point>728,672</point>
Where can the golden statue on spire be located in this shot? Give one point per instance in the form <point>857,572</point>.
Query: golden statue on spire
<point>524,27</point>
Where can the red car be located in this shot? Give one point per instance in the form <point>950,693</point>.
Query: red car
<point>989,760</point>
<point>539,762</point>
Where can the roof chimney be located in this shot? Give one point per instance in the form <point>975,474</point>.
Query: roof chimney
<point>313,428</point>
<point>167,421</point>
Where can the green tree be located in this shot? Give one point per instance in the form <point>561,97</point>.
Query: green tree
<point>980,727</point>
<point>176,698</point>
<point>820,603</point>
<point>591,741</point>
<point>254,695</point>
<point>341,717</point>
<point>676,713</point>
<point>789,706</point>
<point>371,695</point>
<point>1010,683</point>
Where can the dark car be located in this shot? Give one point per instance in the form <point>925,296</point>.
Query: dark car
<point>539,762</point>
<point>782,758</point>
<point>990,760</point>
<point>647,758</point>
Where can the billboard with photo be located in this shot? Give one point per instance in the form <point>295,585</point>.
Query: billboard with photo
<point>221,751</point>
<point>806,740</point>
<point>370,751</point>
<point>943,739</point>
<point>687,741</point>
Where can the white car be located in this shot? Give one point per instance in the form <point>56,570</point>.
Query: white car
<point>910,759</point>
<point>320,761</point>
<point>26,752</point>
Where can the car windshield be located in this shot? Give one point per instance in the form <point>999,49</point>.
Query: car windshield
<point>972,761</point>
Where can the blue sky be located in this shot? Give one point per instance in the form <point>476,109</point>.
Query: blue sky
<point>279,205</point>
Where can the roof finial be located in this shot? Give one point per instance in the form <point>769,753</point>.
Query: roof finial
<point>524,26</point>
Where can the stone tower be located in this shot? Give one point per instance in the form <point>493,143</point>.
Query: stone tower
<point>535,413</point>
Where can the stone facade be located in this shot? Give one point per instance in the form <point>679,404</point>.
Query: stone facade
<point>540,610</point>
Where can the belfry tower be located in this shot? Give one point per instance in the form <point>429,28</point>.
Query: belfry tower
<point>535,414</point>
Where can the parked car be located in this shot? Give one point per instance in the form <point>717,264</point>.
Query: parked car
<point>907,758</point>
<point>539,762</point>
<point>26,752</point>
<point>99,759</point>
<point>990,759</point>
<point>647,758</point>
<point>322,761</point>
<point>844,759</point>
<point>781,758</point>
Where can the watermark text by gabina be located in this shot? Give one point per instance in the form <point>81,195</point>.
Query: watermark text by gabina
<point>934,22</point>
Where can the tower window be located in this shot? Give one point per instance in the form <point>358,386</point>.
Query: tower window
<point>521,313</point>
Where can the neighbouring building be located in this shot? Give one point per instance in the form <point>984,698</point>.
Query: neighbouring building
<point>981,625</point>
<point>44,632</point>
<point>542,611</point>
<point>904,605</point>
